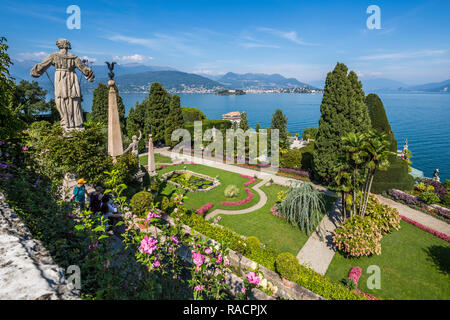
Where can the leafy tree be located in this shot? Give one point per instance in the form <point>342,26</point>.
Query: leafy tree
<point>192,114</point>
<point>100,105</point>
<point>342,111</point>
<point>243,124</point>
<point>174,119</point>
<point>10,122</point>
<point>157,110</point>
<point>279,121</point>
<point>310,133</point>
<point>29,98</point>
<point>136,122</point>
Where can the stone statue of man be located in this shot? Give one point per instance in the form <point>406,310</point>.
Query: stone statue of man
<point>134,145</point>
<point>67,87</point>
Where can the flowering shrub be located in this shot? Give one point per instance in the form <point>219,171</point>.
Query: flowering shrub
<point>429,197</point>
<point>205,208</point>
<point>355,274</point>
<point>274,211</point>
<point>439,188</point>
<point>248,199</point>
<point>361,236</point>
<point>405,197</point>
<point>231,191</point>
<point>297,172</point>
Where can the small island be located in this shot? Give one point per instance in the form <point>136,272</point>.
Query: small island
<point>229,92</point>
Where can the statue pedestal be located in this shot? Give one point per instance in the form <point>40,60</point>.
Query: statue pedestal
<point>115,146</point>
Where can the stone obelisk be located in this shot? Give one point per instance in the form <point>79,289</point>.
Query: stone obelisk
<point>115,147</point>
<point>151,158</point>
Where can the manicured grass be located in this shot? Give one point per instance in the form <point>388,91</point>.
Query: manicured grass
<point>272,231</point>
<point>216,195</point>
<point>158,159</point>
<point>414,265</point>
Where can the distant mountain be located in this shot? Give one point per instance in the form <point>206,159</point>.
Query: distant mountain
<point>382,84</point>
<point>259,81</point>
<point>443,86</point>
<point>20,70</point>
<point>173,81</point>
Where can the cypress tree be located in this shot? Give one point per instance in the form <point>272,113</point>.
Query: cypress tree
<point>135,122</point>
<point>342,111</point>
<point>100,105</point>
<point>279,121</point>
<point>243,124</point>
<point>157,110</point>
<point>397,176</point>
<point>258,127</point>
<point>174,119</point>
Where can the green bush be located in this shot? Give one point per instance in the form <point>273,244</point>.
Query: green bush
<point>298,158</point>
<point>252,242</point>
<point>396,177</point>
<point>221,125</point>
<point>446,200</point>
<point>447,185</point>
<point>231,191</point>
<point>288,266</point>
<point>141,202</point>
<point>429,197</point>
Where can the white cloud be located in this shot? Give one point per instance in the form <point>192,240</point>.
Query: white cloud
<point>135,58</point>
<point>90,59</point>
<point>404,55</point>
<point>34,56</point>
<point>288,35</point>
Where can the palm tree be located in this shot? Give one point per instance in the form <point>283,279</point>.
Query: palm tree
<point>377,149</point>
<point>343,184</point>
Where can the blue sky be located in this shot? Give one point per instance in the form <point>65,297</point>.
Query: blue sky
<point>302,39</point>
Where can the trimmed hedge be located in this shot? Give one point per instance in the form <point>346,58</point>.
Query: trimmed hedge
<point>288,266</point>
<point>298,158</point>
<point>141,202</point>
<point>396,177</point>
<point>267,256</point>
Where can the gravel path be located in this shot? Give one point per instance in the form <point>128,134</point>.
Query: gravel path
<point>418,216</point>
<point>316,253</point>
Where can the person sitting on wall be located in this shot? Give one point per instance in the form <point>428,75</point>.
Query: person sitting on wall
<point>79,195</point>
<point>109,210</point>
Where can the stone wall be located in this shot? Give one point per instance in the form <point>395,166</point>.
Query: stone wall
<point>27,271</point>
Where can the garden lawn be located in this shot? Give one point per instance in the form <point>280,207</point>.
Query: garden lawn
<point>216,195</point>
<point>414,265</point>
<point>272,231</point>
<point>158,159</point>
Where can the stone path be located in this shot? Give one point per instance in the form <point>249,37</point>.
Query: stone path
<point>27,271</point>
<point>259,205</point>
<point>316,253</point>
<point>418,216</point>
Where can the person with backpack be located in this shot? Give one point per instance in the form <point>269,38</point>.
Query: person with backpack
<point>79,195</point>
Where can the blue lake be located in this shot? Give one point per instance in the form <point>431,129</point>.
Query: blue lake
<point>424,119</point>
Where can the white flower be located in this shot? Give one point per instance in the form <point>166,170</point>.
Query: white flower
<point>263,283</point>
<point>253,265</point>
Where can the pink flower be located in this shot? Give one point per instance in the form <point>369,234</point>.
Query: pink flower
<point>208,251</point>
<point>93,246</point>
<point>156,263</point>
<point>226,263</point>
<point>152,214</point>
<point>24,148</point>
<point>253,278</point>
<point>219,259</point>
<point>243,290</point>
<point>148,245</point>
<point>199,288</point>
<point>174,239</point>
<point>198,259</point>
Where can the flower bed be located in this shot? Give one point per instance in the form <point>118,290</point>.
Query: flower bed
<point>355,274</point>
<point>429,230</point>
<point>252,180</point>
<point>416,203</point>
<point>275,212</point>
<point>238,203</point>
<point>205,208</point>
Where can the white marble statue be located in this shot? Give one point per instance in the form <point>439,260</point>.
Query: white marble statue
<point>134,145</point>
<point>67,87</point>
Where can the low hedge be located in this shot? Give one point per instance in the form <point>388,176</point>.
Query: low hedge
<point>396,177</point>
<point>267,256</point>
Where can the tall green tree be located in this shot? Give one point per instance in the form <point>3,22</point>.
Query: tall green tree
<point>342,111</point>
<point>10,122</point>
<point>174,119</point>
<point>258,127</point>
<point>279,121</point>
<point>100,105</point>
<point>243,124</point>
<point>29,98</point>
<point>157,110</point>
